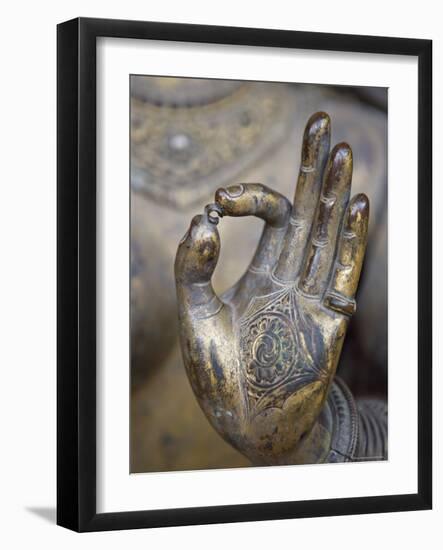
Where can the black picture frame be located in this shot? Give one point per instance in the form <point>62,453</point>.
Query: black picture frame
<point>76,277</point>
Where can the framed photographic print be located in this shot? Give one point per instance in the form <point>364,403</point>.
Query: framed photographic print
<point>244,274</point>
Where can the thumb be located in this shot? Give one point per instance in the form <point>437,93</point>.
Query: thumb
<point>195,262</point>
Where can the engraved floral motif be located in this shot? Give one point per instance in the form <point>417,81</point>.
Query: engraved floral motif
<point>269,349</point>
<point>276,357</point>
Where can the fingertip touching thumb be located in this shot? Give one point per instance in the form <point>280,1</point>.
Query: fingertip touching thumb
<point>198,251</point>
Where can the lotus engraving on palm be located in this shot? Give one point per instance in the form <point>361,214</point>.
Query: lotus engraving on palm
<point>268,350</point>
<point>277,348</point>
<point>262,357</point>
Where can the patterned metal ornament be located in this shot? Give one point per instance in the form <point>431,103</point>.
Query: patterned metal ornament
<point>182,151</point>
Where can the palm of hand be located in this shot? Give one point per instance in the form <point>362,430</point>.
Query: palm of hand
<point>282,344</point>
<point>261,359</point>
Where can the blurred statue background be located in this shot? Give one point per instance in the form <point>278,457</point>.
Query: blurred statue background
<point>189,137</point>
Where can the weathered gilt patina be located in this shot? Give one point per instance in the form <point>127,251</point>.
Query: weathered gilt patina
<point>262,358</point>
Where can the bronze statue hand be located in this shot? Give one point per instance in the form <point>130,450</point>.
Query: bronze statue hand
<point>262,358</point>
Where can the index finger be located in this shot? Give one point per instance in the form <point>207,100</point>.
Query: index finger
<point>255,199</point>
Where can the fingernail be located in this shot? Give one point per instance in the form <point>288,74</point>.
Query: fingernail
<point>234,191</point>
<point>213,213</point>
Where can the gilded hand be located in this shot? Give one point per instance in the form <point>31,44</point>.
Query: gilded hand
<point>261,358</point>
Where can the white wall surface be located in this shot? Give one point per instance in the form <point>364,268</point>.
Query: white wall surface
<point>27,272</point>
